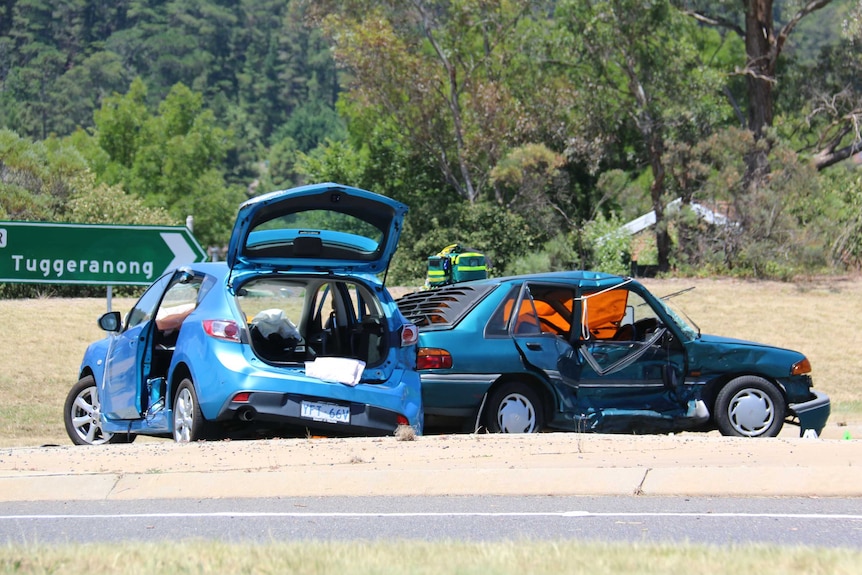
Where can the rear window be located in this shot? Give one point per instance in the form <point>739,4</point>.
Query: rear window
<point>320,234</point>
<point>442,307</point>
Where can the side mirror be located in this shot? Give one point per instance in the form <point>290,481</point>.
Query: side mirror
<point>110,321</point>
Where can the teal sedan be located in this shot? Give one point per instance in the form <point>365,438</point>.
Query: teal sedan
<point>588,351</point>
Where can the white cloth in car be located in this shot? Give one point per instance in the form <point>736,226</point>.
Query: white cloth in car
<point>271,321</point>
<point>341,369</point>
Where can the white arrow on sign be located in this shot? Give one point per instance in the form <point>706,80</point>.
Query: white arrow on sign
<point>183,252</point>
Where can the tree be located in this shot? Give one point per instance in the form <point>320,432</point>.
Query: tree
<point>173,160</point>
<point>763,47</point>
<point>833,92</point>
<point>37,178</point>
<point>30,90</point>
<point>433,66</point>
<point>639,68</point>
<point>118,130</point>
<point>765,41</point>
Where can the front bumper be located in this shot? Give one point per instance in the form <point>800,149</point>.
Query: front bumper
<point>812,414</point>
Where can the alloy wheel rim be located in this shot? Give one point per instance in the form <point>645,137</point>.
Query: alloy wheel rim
<point>183,417</point>
<point>87,417</point>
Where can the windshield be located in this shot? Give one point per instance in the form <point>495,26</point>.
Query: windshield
<point>679,317</point>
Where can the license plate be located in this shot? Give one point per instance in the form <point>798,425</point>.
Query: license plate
<point>328,412</point>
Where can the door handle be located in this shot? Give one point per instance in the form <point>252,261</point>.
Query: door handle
<point>534,346</point>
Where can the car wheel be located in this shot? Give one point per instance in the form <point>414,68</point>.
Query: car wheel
<point>188,421</point>
<point>82,416</point>
<point>514,408</point>
<point>749,406</point>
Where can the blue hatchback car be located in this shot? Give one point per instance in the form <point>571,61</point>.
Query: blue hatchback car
<point>295,329</point>
<point>586,351</point>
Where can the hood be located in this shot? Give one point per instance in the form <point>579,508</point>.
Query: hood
<point>715,354</point>
<point>730,341</point>
<point>319,227</point>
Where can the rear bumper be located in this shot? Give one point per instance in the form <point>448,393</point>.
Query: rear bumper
<point>812,414</point>
<point>286,409</point>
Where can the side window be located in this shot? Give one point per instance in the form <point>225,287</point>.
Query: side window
<point>618,328</point>
<point>542,309</point>
<point>498,325</point>
<point>145,307</point>
<point>527,319</point>
<point>181,299</point>
<point>617,315</point>
<point>553,307</point>
<point>265,297</point>
<point>640,321</point>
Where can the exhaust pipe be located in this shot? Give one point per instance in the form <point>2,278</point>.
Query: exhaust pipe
<point>246,414</point>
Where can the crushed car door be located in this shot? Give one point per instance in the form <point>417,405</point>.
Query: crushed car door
<point>540,322</point>
<point>628,362</point>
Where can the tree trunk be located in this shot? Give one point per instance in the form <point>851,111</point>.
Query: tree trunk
<point>662,236</point>
<point>760,65</point>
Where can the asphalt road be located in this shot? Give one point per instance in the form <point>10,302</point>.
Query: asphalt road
<point>821,522</point>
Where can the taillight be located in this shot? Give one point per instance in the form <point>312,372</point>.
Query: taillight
<point>433,358</point>
<point>241,397</point>
<point>800,367</point>
<point>402,420</point>
<point>409,334</point>
<point>226,329</point>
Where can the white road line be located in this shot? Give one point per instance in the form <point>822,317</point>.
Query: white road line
<point>303,515</point>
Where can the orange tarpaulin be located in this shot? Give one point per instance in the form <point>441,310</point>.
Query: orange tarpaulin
<point>604,311</point>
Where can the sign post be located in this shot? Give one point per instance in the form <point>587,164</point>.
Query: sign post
<point>92,254</point>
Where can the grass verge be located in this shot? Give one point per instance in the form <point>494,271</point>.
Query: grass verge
<point>376,557</point>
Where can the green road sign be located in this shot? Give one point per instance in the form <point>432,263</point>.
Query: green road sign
<point>94,254</point>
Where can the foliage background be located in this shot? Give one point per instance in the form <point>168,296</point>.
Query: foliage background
<point>529,130</point>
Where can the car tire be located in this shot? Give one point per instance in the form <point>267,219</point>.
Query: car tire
<point>749,406</point>
<point>189,424</point>
<point>82,416</point>
<point>514,408</point>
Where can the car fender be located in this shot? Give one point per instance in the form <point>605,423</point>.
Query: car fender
<point>214,366</point>
<point>94,360</point>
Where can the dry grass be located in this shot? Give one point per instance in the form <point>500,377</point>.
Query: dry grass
<point>40,355</point>
<point>313,557</point>
<point>44,341</point>
<point>405,433</point>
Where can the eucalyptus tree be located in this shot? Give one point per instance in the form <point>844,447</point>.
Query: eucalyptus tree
<point>438,70</point>
<point>766,26</point>
<point>754,22</point>
<point>833,91</point>
<point>639,72</point>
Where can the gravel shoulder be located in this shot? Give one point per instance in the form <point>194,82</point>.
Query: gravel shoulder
<point>549,464</point>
